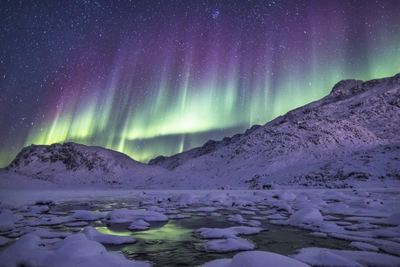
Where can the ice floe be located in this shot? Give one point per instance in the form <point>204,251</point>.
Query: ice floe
<point>330,257</point>
<point>256,259</point>
<point>229,244</point>
<point>230,232</point>
<point>125,216</point>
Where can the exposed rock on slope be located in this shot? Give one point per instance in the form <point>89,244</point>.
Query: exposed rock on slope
<point>172,162</point>
<point>350,135</point>
<point>74,163</point>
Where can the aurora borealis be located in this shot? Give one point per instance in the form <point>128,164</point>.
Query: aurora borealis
<point>152,78</point>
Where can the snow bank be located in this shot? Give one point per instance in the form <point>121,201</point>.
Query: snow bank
<point>74,250</point>
<point>256,259</point>
<point>331,257</point>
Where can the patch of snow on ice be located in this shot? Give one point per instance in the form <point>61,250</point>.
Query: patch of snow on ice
<point>124,216</point>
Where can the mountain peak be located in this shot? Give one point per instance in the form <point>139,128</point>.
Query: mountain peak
<point>54,162</point>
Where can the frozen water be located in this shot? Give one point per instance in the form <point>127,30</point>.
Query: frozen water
<point>128,228</point>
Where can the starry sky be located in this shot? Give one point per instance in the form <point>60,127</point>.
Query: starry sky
<point>152,78</point>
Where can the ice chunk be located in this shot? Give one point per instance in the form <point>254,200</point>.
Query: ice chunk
<point>25,251</point>
<point>227,245</point>
<point>319,234</point>
<point>6,226</point>
<point>219,263</point>
<point>324,257</point>
<point>85,215</point>
<point>230,232</point>
<point>46,233</point>
<point>4,240</point>
<point>124,216</point>
<point>39,208</point>
<point>92,234</point>
<point>69,239</point>
<point>216,197</point>
<point>74,250</point>
<point>45,220</point>
<point>306,216</point>
<point>139,225</point>
<point>156,209</point>
<point>76,224</point>
<point>180,216</point>
<point>364,246</point>
<point>78,248</point>
<point>15,218</point>
<point>89,253</point>
<point>236,218</point>
<point>394,219</point>
<point>256,259</point>
<point>331,257</point>
<point>286,196</point>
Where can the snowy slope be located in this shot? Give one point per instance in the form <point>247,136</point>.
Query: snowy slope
<point>72,163</point>
<point>350,136</point>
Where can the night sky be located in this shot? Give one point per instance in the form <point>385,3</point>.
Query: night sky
<point>152,78</point>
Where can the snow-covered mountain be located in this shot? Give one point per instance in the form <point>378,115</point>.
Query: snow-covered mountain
<point>348,138</point>
<point>351,135</point>
<point>71,163</point>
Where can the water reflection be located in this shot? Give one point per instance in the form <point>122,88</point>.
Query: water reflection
<point>173,243</point>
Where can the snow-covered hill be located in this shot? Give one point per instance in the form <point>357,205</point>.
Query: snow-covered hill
<point>72,163</point>
<point>350,138</point>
